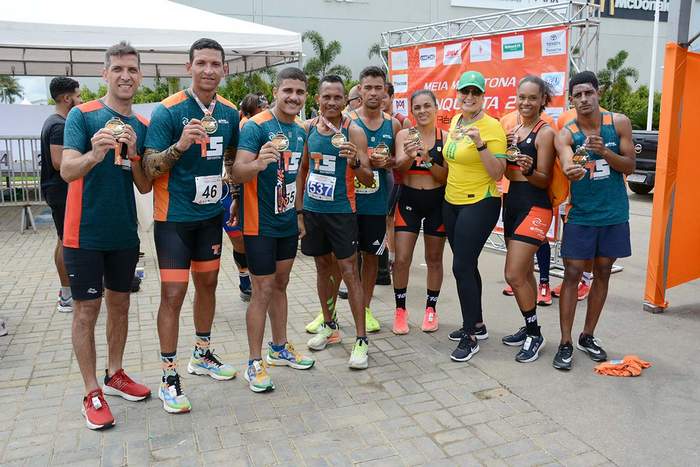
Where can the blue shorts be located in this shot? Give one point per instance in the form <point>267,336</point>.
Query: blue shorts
<point>588,242</point>
<point>226,201</point>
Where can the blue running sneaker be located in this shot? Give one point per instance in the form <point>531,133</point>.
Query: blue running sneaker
<point>288,356</point>
<point>258,378</point>
<point>209,364</point>
<point>170,392</point>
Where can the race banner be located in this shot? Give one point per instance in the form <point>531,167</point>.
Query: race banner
<point>503,59</point>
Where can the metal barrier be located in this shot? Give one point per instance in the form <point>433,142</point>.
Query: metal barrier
<point>20,170</point>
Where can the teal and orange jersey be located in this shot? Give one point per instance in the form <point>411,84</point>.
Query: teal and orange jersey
<point>374,200</point>
<point>600,197</point>
<point>268,201</point>
<point>191,190</point>
<point>330,185</point>
<point>100,207</point>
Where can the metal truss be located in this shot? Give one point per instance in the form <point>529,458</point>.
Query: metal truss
<point>582,18</point>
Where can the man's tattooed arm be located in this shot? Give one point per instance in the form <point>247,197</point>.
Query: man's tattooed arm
<point>157,163</point>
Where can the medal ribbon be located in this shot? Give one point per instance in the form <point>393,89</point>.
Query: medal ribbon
<point>209,111</point>
<point>330,125</point>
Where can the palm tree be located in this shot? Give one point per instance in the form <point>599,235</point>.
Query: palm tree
<point>613,81</point>
<point>10,89</point>
<point>321,64</point>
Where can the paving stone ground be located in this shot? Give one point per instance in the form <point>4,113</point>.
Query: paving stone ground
<point>413,406</point>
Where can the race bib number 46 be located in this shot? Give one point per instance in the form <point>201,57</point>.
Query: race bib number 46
<point>361,189</point>
<point>207,189</point>
<point>284,198</point>
<point>321,187</point>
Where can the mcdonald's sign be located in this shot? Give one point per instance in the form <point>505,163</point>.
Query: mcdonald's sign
<point>633,9</point>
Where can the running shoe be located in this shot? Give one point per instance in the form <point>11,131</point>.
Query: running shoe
<point>400,321</point>
<point>530,350</point>
<point>170,392</point>
<point>209,364</point>
<point>315,324</point>
<point>508,290</point>
<point>288,357</point>
<point>430,320</point>
<point>544,295</point>
<point>119,384</point>
<point>258,378</point>
<point>359,356</point>
<point>516,339</point>
<point>325,335</point>
<point>465,349</point>
<point>590,345</point>
<point>64,305</point>
<point>582,292</point>
<point>371,324</point>
<point>481,333</point>
<point>343,291</point>
<point>562,360</point>
<point>96,411</point>
<point>457,334</point>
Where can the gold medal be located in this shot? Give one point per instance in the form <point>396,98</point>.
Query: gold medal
<point>210,124</point>
<point>116,126</point>
<point>512,153</point>
<point>381,150</point>
<point>414,135</point>
<point>580,156</point>
<point>280,141</point>
<point>338,139</point>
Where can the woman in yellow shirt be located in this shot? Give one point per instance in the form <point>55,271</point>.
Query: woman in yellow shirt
<point>474,151</point>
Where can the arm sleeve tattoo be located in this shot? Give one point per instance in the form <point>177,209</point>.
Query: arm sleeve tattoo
<point>157,163</point>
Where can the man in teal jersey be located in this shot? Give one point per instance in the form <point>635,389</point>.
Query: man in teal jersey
<point>191,133</point>
<point>267,163</point>
<point>596,149</point>
<point>373,200</point>
<point>335,154</point>
<point>103,141</point>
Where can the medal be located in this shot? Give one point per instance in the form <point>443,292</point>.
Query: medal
<point>414,135</point>
<point>381,150</point>
<point>580,157</point>
<point>512,153</point>
<point>210,124</point>
<point>338,139</point>
<point>116,126</point>
<point>280,141</point>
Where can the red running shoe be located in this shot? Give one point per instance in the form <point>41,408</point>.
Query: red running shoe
<point>544,296</point>
<point>430,320</point>
<point>582,292</point>
<point>508,290</point>
<point>400,322</point>
<point>121,385</point>
<point>96,411</point>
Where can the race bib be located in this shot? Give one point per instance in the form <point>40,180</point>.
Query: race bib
<point>321,187</point>
<point>284,197</point>
<point>360,189</point>
<point>207,189</point>
<point>599,169</point>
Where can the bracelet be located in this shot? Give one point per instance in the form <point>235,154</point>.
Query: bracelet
<point>135,158</point>
<point>355,164</point>
<point>482,147</point>
<point>300,212</point>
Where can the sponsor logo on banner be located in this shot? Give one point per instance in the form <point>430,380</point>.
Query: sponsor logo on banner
<point>399,60</point>
<point>555,80</point>
<point>480,50</point>
<point>512,47</point>
<point>427,57</point>
<point>553,43</point>
<point>400,83</point>
<point>401,105</point>
<point>452,54</point>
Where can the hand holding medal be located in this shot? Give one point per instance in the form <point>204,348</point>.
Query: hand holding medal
<point>117,127</point>
<point>208,123</point>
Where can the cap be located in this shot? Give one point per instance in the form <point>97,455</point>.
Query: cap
<point>472,78</point>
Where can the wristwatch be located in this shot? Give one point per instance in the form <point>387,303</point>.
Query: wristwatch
<point>355,164</point>
<point>482,147</point>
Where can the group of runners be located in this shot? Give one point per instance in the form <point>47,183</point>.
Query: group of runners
<point>274,179</point>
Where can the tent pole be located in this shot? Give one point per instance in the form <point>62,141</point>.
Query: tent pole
<point>652,75</point>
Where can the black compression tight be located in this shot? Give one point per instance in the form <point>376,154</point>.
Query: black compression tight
<point>468,227</point>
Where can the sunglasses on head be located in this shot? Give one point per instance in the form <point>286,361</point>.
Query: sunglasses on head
<point>472,90</point>
<point>353,99</point>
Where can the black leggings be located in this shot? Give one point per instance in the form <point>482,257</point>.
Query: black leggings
<point>468,227</point>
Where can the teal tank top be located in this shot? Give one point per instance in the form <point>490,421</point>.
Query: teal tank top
<point>600,197</point>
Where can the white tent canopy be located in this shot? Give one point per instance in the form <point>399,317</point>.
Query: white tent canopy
<point>49,38</point>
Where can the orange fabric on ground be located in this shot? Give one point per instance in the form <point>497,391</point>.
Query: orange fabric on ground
<point>630,365</point>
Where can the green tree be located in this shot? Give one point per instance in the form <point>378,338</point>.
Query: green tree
<point>635,105</point>
<point>236,87</point>
<point>614,83</point>
<point>375,50</point>
<point>322,64</point>
<point>87,94</point>
<point>10,89</point>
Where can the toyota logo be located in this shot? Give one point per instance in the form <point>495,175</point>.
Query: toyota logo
<point>637,148</point>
